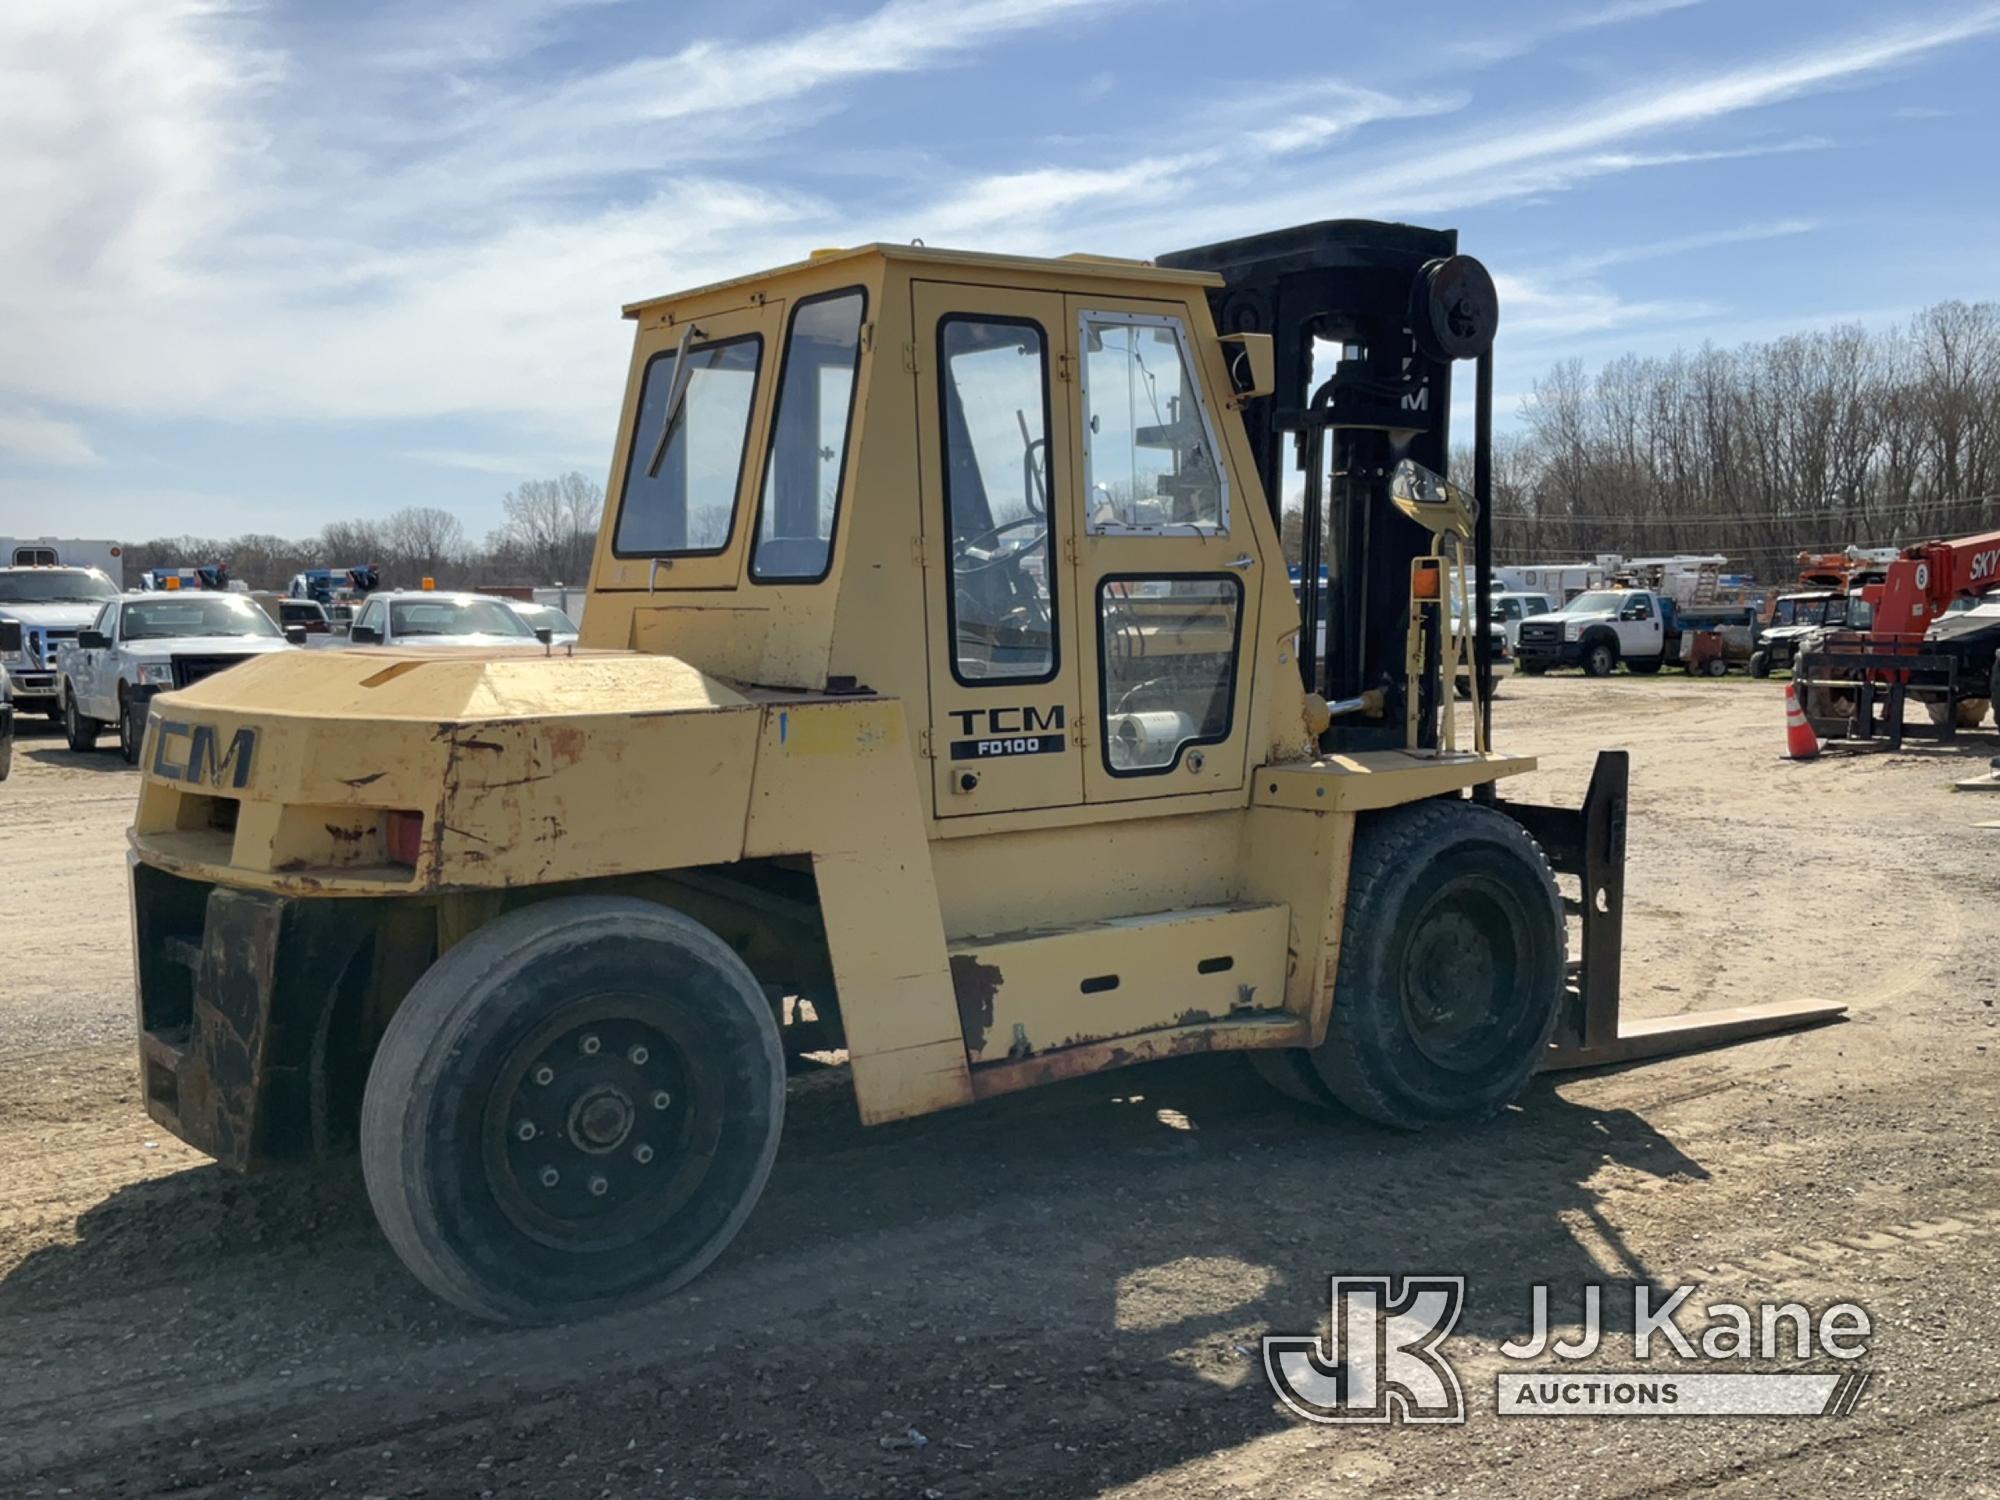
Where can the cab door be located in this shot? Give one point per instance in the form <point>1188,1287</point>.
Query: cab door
<point>997,484</point>
<point>1167,563</point>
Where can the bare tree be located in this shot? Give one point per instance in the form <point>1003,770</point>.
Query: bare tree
<point>553,523</point>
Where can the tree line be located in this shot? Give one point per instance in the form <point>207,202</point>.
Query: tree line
<point>1807,443</point>
<point>547,535</point>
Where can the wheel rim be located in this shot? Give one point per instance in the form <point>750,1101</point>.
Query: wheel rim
<point>1462,992</point>
<point>596,1130</point>
<point>1600,659</point>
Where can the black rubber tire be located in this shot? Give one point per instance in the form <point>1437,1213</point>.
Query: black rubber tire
<point>80,730</point>
<point>1290,1071</point>
<point>1600,659</point>
<point>496,1002</point>
<point>1645,666</point>
<point>1423,877</point>
<point>1715,666</point>
<point>131,729</point>
<point>6,755</point>
<point>1760,664</point>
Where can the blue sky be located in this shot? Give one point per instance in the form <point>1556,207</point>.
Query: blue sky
<point>266,265</point>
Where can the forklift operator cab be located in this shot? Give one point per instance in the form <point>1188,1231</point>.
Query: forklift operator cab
<point>1064,519</point>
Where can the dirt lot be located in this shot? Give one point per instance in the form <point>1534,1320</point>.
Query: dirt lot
<point>1063,1293</point>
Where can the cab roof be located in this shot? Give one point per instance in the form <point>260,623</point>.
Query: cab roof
<point>1080,267</point>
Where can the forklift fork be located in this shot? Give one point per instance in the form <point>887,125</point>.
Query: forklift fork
<point>1589,843</point>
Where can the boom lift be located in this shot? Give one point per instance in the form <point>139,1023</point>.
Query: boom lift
<point>1843,673</point>
<point>947,703</point>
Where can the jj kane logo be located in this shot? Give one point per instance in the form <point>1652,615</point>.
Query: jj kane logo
<point>1382,1358</point>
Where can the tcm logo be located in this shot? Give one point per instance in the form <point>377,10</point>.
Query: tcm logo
<point>998,722</point>
<point>1985,564</point>
<point>190,753</point>
<point>1382,1363</point>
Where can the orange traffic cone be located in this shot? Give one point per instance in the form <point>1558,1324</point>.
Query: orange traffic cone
<point>1800,741</point>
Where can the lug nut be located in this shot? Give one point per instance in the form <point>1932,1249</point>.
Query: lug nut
<point>590,1044</point>
<point>550,1177</point>
<point>599,1187</point>
<point>545,1075</point>
<point>525,1130</point>
<point>637,1057</point>
<point>661,1098</point>
<point>642,1153</point>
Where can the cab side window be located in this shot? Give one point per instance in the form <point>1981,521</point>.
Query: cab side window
<point>802,473</point>
<point>1149,451</point>
<point>370,617</point>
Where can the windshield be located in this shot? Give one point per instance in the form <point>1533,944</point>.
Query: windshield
<point>56,586</point>
<point>1595,602</point>
<point>164,618</point>
<point>1799,612</point>
<point>546,617</point>
<point>414,617</point>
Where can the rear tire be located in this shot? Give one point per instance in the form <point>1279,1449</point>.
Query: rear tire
<point>80,730</point>
<point>1451,966</point>
<point>1760,664</point>
<point>575,1109</point>
<point>1290,1071</point>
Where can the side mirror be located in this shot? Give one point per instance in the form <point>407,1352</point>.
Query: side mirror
<point>1253,364</point>
<point>365,635</point>
<point>544,634</point>
<point>93,640</point>
<point>1431,500</point>
<point>296,634</point>
<point>10,635</point>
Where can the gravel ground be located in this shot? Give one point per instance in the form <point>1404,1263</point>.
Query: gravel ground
<point>1062,1293</point>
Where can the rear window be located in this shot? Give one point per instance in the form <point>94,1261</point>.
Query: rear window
<point>681,484</point>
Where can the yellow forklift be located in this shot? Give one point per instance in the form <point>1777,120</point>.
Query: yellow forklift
<point>942,699</point>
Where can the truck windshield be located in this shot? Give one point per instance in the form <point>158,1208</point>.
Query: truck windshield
<point>183,615</point>
<point>56,586</point>
<point>413,617</point>
<point>1597,601</point>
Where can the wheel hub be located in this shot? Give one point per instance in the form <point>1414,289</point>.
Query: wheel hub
<point>601,1119</point>
<point>580,1146</point>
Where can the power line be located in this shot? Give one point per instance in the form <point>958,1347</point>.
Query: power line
<point>1887,510</point>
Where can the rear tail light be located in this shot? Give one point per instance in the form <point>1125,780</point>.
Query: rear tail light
<point>406,837</point>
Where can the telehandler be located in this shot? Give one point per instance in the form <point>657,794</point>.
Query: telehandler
<point>943,699</point>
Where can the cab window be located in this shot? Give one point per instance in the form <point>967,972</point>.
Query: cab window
<point>1149,455</point>
<point>802,473</point>
<point>994,403</point>
<point>681,480</point>
<point>1167,650</point>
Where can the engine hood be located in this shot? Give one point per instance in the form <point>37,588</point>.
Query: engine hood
<point>59,616</point>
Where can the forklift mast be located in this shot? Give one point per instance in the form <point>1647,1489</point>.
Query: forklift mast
<point>1397,305</point>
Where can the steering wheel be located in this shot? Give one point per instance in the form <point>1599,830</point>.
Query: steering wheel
<point>964,546</point>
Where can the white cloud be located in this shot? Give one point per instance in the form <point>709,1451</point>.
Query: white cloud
<point>36,438</point>
<point>1686,244</point>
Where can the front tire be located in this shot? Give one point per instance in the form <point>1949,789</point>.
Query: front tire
<point>1451,966</point>
<point>1600,659</point>
<point>131,729</point>
<point>79,729</point>
<point>574,1109</point>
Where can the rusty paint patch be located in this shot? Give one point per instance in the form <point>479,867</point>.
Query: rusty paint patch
<point>974,985</point>
<point>348,835</point>
<point>567,744</point>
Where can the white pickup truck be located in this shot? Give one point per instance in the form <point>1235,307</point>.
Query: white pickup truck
<point>1598,629</point>
<point>143,644</point>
